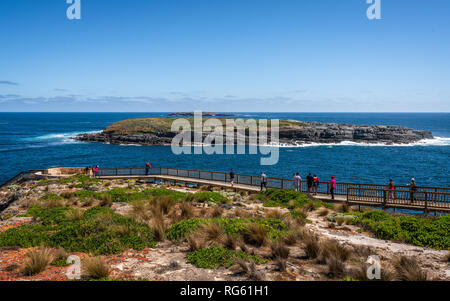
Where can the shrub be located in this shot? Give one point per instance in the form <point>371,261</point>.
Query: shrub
<point>36,261</point>
<point>162,204</point>
<point>175,195</point>
<point>216,211</point>
<point>336,267</point>
<point>95,268</point>
<point>74,214</point>
<point>184,228</point>
<point>232,226</point>
<point>94,233</point>
<point>415,230</point>
<point>229,242</point>
<point>312,245</point>
<point>158,228</point>
<point>290,238</point>
<point>279,250</point>
<point>215,257</point>
<point>324,212</point>
<point>59,257</point>
<point>255,235</point>
<point>187,211</point>
<point>51,200</point>
<point>332,248</point>
<point>250,270</point>
<point>212,232</point>
<point>274,214</point>
<point>206,196</point>
<point>281,197</point>
<point>407,269</point>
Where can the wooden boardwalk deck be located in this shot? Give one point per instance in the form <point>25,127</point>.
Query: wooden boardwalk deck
<point>398,203</point>
<point>241,187</point>
<point>424,199</point>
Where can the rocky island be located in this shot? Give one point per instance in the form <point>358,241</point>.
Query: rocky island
<point>191,114</point>
<point>157,131</point>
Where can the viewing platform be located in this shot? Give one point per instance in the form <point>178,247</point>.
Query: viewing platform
<point>425,199</point>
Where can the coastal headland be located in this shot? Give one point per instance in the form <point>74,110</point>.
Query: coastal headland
<point>157,131</point>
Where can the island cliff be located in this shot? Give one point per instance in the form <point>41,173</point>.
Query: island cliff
<point>157,131</point>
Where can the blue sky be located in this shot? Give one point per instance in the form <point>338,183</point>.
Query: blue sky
<point>225,55</point>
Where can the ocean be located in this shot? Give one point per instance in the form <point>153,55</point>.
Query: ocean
<point>43,140</point>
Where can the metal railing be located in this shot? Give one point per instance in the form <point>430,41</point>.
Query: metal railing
<point>423,198</point>
<point>323,187</point>
<point>419,199</point>
<point>23,176</point>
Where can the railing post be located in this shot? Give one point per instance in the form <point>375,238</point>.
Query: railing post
<point>426,204</point>
<point>384,198</point>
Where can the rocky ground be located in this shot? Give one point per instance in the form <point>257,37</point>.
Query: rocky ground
<point>167,261</point>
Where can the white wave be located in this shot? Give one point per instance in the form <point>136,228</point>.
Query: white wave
<point>59,137</point>
<point>437,141</point>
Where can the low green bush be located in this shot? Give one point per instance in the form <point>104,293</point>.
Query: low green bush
<point>128,195</point>
<point>94,233</point>
<point>184,228</point>
<point>207,196</point>
<point>79,179</point>
<point>283,198</point>
<point>175,195</point>
<point>420,231</point>
<point>230,226</point>
<point>51,197</point>
<point>215,257</point>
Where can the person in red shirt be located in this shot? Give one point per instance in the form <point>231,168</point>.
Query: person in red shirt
<point>391,190</point>
<point>332,187</point>
<point>147,168</point>
<point>315,184</point>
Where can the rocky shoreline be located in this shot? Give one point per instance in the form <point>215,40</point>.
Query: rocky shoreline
<point>301,133</point>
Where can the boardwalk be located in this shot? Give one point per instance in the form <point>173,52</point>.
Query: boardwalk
<point>425,199</point>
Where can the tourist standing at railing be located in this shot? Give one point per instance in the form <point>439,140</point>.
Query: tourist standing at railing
<point>332,187</point>
<point>297,182</point>
<point>147,168</point>
<point>263,181</point>
<point>97,170</point>
<point>93,171</point>
<point>232,177</point>
<point>309,182</point>
<point>315,184</point>
<point>391,190</point>
<point>412,189</point>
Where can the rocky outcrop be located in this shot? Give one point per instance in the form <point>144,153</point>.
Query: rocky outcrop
<point>314,132</point>
<point>293,134</point>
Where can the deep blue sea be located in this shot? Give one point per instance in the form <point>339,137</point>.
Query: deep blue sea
<point>42,140</point>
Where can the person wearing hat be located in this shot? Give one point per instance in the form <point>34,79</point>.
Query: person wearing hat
<point>332,187</point>
<point>412,189</point>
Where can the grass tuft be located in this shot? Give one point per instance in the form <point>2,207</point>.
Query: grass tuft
<point>37,261</point>
<point>407,269</point>
<point>95,268</point>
